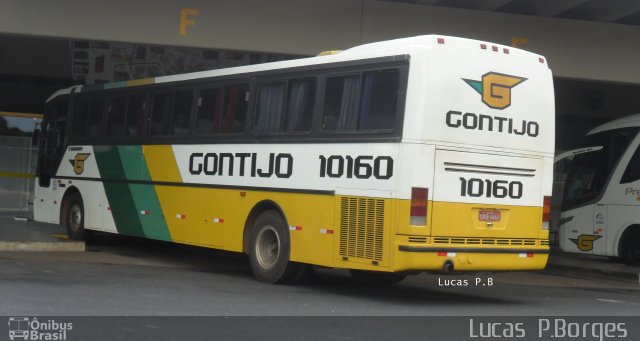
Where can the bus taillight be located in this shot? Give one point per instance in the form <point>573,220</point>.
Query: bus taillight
<point>546,212</point>
<point>419,206</point>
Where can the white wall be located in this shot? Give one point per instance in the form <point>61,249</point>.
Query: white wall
<point>575,49</point>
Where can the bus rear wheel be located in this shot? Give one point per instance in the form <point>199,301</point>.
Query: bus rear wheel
<point>630,249</point>
<point>74,218</point>
<point>270,248</point>
<point>377,278</point>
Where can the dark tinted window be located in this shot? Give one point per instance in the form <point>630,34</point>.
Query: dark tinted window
<point>209,111</point>
<point>379,100</point>
<point>340,103</point>
<point>270,108</point>
<point>361,102</point>
<point>632,172</point>
<point>589,172</point>
<point>96,111</point>
<point>161,115</point>
<point>135,115</point>
<point>235,108</point>
<point>182,113</point>
<point>80,119</point>
<point>300,104</point>
<point>115,125</point>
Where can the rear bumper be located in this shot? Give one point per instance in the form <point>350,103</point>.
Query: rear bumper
<point>412,258</point>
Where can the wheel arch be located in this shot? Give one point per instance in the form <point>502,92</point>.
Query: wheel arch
<point>627,231</point>
<point>262,206</point>
<point>64,203</point>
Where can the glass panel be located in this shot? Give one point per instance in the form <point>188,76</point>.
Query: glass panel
<point>135,115</point>
<point>235,108</point>
<point>182,113</point>
<point>590,171</point>
<point>209,111</point>
<point>115,125</point>
<point>161,115</point>
<point>340,103</point>
<point>270,109</point>
<point>379,100</point>
<point>96,110</point>
<point>80,121</point>
<point>300,104</point>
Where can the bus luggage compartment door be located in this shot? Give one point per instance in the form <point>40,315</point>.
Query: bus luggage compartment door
<point>486,195</point>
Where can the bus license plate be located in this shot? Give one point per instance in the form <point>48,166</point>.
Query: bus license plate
<point>489,215</point>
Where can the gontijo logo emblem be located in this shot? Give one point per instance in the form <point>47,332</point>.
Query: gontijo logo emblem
<point>78,162</point>
<point>495,88</point>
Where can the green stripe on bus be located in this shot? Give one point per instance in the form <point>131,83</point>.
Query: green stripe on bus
<point>144,195</point>
<point>118,193</point>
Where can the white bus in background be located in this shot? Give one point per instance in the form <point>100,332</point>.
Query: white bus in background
<point>601,197</point>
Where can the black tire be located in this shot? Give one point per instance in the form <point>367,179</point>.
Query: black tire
<point>74,218</point>
<point>377,278</point>
<point>269,249</point>
<point>630,248</point>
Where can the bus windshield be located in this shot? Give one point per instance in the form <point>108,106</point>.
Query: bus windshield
<point>589,172</point>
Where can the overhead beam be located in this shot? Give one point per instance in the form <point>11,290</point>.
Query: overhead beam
<point>612,10</point>
<point>491,5</point>
<point>552,8</point>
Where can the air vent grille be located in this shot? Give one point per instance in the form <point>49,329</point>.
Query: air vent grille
<point>488,241</point>
<point>362,228</point>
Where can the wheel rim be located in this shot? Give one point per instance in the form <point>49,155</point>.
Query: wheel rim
<point>75,217</point>
<point>268,247</point>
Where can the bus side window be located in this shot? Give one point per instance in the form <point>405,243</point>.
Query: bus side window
<point>235,108</point>
<point>182,113</point>
<point>340,103</point>
<point>632,172</point>
<point>209,111</point>
<point>379,100</point>
<point>135,115</point>
<point>161,114</point>
<point>116,112</point>
<point>96,110</point>
<point>80,121</point>
<point>300,103</point>
<point>270,108</point>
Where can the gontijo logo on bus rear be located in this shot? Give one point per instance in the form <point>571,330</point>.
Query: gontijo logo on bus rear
<point>495,88</point>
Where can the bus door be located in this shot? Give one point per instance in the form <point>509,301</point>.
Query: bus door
<point>50,150</point>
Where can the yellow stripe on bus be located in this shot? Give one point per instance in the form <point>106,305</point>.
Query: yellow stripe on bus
<point>16,175</point>
<point>20,114</point>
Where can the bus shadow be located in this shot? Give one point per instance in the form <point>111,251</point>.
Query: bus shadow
<point>415,290</point>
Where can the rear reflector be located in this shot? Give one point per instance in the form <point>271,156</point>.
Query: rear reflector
<point>440,40</point>
<point>419,198</point>
<point>546,212</point>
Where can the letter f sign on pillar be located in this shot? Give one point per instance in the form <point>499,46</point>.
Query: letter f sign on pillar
<point>185,13</point>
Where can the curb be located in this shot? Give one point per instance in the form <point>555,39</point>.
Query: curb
<point>42,246</point>
<point>561,269</point>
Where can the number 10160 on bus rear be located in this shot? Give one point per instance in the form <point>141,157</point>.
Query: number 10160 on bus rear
<point>422,153</point>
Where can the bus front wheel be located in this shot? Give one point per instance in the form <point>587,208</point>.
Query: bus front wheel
<point>269,250</point>
<point>630,248</point>
<point>74,218</point>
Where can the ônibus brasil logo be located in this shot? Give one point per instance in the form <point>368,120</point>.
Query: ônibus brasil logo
<point>25,328</point>
<point>495,88</point>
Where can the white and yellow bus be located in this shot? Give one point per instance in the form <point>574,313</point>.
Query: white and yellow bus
<point>423,153</point>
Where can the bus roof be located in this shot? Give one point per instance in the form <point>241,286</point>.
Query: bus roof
<point>393,47</point>
<point>624,122</point>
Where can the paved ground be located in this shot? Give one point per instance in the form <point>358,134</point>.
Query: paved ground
<point>119,276</point>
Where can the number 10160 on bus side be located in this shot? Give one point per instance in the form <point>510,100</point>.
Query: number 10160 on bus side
<point>427,153</point>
